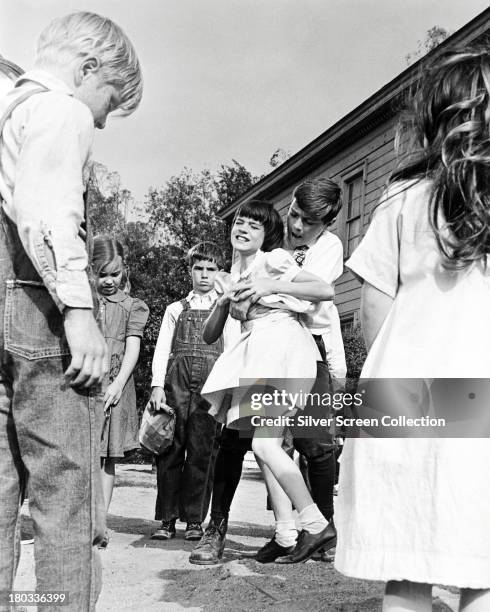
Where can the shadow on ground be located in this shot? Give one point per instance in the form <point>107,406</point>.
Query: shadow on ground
<point>145,528</point>
<point>123,524</point>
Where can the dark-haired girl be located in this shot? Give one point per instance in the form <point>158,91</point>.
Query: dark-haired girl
<point>275,352</point>
<point>416,512</point>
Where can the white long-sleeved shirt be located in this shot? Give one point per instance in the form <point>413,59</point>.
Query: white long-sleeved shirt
<point>164,343</point>
<point>325,259</point>
<point>44,156</point>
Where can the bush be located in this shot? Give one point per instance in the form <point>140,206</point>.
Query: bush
<point>355,355</point>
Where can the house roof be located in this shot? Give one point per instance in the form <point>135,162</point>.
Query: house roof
<point>379,107</point>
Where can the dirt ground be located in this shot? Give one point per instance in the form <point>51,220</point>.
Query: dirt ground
<point>148,576</point>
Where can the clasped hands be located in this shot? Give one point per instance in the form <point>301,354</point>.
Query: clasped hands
<point>251,290</point>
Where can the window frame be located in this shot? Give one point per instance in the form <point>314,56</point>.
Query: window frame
<point>347,323</point>
<point>359,170</point>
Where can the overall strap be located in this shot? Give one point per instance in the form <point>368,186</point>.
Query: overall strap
<point>15,103</point>
<point>185,306</point>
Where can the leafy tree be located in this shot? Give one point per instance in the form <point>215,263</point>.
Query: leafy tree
<point>279,157</point>
<point>185,210</point>
<point>355,355</point>
<point>433,37</point>
<point>105,197</point>
<point>231,182</point>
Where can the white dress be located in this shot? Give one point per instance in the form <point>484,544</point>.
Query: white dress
<point>419,509</point>
<point>275,348</point>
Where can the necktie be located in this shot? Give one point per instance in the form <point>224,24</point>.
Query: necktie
<point>300,254</point>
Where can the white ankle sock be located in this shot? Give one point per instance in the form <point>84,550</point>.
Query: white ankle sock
<point>312,520</point>
<point>286,533</point>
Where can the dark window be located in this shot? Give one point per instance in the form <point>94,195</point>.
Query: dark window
<point>354,190</point>
<point>347,324</point>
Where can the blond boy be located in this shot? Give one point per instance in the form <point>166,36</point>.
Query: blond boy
<point>52,354</point>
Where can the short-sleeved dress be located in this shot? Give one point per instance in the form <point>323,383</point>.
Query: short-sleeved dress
<point>418,509</point>
<point>274,346</point>
<point>121,316</point>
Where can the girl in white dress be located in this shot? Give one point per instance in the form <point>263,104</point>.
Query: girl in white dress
<point>267,291</point>
<point>416,512</point>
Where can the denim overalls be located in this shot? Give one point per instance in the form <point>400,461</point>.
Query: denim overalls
<point>185,471</point>
<point>49,437</point>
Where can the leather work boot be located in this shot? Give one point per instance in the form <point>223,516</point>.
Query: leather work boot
<point>193,532</point>
<point>210,549</point>
<point>166,531</point>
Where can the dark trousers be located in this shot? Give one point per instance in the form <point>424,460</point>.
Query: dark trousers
<point>317,447</point>
<point>185,471</point>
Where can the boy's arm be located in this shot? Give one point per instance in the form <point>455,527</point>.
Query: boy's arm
<point>214,324</point>
<point>162,354</point>
<point>48,195</point>
<point>304,285</point>
<point>48,209</point>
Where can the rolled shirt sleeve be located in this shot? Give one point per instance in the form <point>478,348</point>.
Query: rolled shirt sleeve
<point>48,195</point>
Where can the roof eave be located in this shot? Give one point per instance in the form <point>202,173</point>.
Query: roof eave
<point>378,107</point>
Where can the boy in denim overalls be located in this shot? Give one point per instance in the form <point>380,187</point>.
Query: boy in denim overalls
<point>51,350</point>
<point>181,364</point>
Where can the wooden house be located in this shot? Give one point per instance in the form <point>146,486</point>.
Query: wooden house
<point>359,153</point>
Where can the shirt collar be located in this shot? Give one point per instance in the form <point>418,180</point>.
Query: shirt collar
<point>207,297</point>
<point>119,296</point>
<point>46,79</point>
<point>288,246</point>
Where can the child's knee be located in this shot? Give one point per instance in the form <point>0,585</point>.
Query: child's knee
<point>260,447</point>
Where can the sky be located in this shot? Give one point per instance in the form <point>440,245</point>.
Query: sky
<point>238,79</point>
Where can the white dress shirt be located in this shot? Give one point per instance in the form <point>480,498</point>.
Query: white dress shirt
<point>325,259</point>
<point>44,155</point>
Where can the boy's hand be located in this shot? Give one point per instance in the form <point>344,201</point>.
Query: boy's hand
<point>157,400</point>
<point>113,394</point>
<point>87,346</point>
